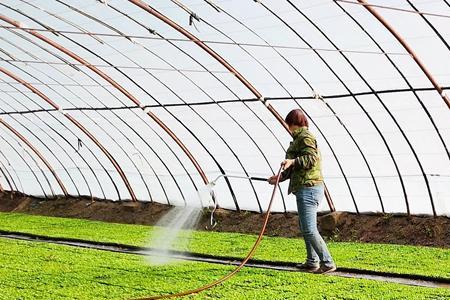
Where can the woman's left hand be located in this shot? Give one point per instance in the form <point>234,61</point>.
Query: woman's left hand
<point>287,163</point>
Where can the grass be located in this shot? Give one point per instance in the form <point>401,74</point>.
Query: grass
<point>400,259</point>
<point>34,270</point>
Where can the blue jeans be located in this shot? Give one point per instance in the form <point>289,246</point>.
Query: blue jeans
<point>308,199</point>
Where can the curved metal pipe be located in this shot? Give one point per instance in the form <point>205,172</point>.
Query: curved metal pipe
<point>364,110</point>
<point>125,36</point>
<point>327,194</point>
<point>211,52</point>
<point>410,89</point>
<point>128,125</point>
<point>1,187</point>
<point>74,121</point>
<point>421,65</point>
<point>190,12</point>
<point>37,152</point>
<point>34,133</point>
<point>145,91</point>
<point>410,50</point>
<point>3,170</point>
<point>65,139</point>
<point>222,61</point>
<point>126,153</point>
<point>10,175</point>
<point>120,88</point>
<point>34,160</point>
<point>79,125</point>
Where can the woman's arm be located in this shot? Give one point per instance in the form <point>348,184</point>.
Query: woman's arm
<point>309,154</point>
<point>286,174</point>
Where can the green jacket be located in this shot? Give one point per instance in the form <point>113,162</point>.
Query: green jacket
<point>306,171</point>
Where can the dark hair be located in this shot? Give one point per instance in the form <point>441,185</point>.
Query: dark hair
<point>296,117</point>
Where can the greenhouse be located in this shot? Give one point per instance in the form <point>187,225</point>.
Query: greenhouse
<point>125,111</point>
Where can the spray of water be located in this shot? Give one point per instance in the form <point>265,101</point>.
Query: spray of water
<point>173,231</point>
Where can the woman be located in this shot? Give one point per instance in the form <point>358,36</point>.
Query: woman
<point>303,167</point>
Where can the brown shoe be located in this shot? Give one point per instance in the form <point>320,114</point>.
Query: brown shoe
<point>307,268</point>
<point>325,269</point>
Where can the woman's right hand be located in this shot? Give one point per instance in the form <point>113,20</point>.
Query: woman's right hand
<point>272,180</point>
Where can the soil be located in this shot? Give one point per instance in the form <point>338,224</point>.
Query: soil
<point>338,226</point>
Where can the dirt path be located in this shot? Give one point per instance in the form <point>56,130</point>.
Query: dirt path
<point>413,230</point>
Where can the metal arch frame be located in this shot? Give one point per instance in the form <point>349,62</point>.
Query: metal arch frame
<point>38,153</point>
<point>222,61</point>
<point>10,175</point>
<point>34,134</point>
<point>60,135</point>
<point>328,196</point>
<point>186,127</point>
<point>50,65</point>
<point>96,158</point>
<point>36,163</point>
<point>197,113</point>
<point>372,92</point>
<point>10,179</point>
<point>181,99</point>
<point>56,108</point>
<point>64,125</point>
<point>387,110</point>
<point>210,51</point>
<point>198,18</point>
<point>164,191</point>
<point>51,53</point>
<point>26,163</point>
<point>104,150</point>
<point>413,90</point>
<point>393,118</point>
<point>117,86</point>
<point>418,62</point>
<point>437,86</point>
<point>374,124</point>
<point>332,110</point>
<point>176,183</point>
<point>69,117</point>
<point>82,61</point>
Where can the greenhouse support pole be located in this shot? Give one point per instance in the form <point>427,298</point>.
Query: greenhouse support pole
<point>416,58</point>
<point>118,87</point>
<point>222,61</point>
<point>36,151</point>
<point>78,124</point>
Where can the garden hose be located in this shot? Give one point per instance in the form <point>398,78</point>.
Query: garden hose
<point>238,268</point>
